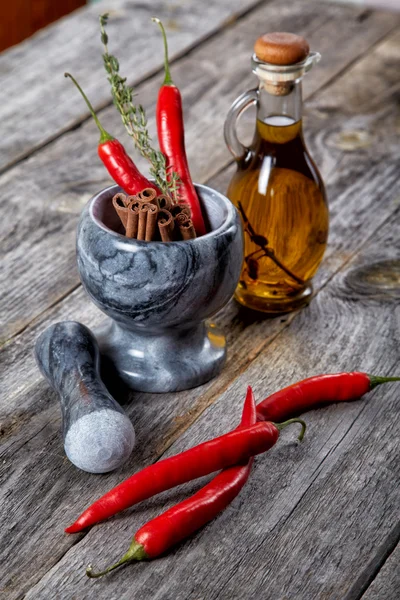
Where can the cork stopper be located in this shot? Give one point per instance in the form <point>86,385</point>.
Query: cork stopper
<point>281,49</point>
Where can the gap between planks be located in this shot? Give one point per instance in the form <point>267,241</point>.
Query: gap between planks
<point>40,315</point>
<point>373,568</point>
<point>387,580</point>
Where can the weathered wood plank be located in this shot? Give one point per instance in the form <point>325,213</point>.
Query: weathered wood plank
<point>387,583</point>
<point>37,104</point>
<point>362,176</point>
<point>32,443</point>
<point>314,515</point>
<point>55,202</point>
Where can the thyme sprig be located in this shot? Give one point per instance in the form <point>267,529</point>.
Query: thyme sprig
<point>135,121</point>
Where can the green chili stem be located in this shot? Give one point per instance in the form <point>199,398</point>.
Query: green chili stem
<point>104,136</point>
<point>168,78</point>
<point>374,381</point>
<point>135,552</point>
<point>281,426</point>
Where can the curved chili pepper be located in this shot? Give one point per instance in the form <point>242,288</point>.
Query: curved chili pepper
<point>183,519</point>
<point>315,391</point>
<point>171,137</point>
<point>180,521</point>
<point>208,457</point>
<point>114,157</point>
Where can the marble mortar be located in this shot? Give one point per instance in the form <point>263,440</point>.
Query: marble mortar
<point>159,294</point>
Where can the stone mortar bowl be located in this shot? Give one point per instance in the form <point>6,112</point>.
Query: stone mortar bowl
<point>158,294</point>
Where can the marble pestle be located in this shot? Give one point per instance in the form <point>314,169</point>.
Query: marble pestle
<point>98,436</point>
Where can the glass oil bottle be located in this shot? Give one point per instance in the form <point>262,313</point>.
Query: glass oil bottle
<point>277,187</point>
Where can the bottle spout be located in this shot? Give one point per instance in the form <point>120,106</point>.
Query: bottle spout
<point>312,59</point>
<point>284,72</point>
<point>278,80</point>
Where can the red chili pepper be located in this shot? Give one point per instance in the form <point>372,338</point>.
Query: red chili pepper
<point>224,451</point>
<point>171,137</point>
<point>180,521</point>
<point>169,528</point>
<point>310,393</point>
<point>183,519</point>
<point>117,162</point>
<point>249,414</point>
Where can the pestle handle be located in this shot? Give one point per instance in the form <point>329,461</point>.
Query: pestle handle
<point>98,436</point>
<point>66,353</point>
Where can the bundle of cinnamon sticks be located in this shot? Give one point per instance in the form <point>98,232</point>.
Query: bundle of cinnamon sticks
<point>149,217</point>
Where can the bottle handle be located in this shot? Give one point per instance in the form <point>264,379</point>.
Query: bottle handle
<point>242,103</point>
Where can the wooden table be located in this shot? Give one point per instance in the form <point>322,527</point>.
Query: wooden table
<point>317,520</point>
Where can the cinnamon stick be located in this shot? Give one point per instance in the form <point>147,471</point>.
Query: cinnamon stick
<point>131,199</point>
<point>179,220</point>
<point>148,195</point>
<point>177,209</point>
<point>140,215</point>
<point>120,204</point>
<point>151,223</point>
<point>143,209</point>
<point>164,202</point>
<point>133,220</point>
<point>187,230</point>
<point>186,210</point>
<point>165,225</point>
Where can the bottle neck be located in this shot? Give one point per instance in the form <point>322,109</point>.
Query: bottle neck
<point>288,105</point>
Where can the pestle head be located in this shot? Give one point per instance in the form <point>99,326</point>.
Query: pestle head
<point>100,441</point>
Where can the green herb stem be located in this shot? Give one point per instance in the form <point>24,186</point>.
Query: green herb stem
<point>135,121</point>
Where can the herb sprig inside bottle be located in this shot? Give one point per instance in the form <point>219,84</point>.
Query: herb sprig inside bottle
<point>135,121</point>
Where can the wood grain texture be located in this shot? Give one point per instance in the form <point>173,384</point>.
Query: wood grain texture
<point>315,516</point>
<point>30,419</point>
<point>387,583</point>
<point>38,268</point>
<point>44,104</point>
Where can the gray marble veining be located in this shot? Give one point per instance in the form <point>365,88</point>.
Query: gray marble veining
<point>98,436</point>
<point>158,295</point>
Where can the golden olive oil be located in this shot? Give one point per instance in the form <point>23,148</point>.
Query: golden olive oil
<point>280,195</point>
